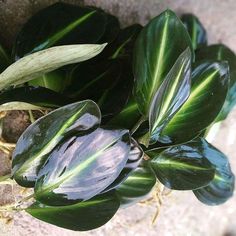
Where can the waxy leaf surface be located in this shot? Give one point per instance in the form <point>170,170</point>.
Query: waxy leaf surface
<point>43,135</point>
<point>195,29</point>
<point>82,167</point>
<point>222,53</point>
<point>60,24</point>
<point>221,188</point>
<point>171,95</point>
<point>139,183</point>
<point>82,216</point>
<point>208,92</point>
<point>39,63</point>
<point>157,48</point>
<point>183,167</point>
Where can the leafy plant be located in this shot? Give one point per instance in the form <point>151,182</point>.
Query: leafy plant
<point>136,112</point>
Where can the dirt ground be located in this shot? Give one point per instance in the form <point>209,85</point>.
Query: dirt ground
<point>181,214</point>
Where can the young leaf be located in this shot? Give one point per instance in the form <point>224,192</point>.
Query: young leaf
<point>60,24</point>
<point>82,167</point>
<point>135,158</point>
<point>82,216</point>
<point>39,63</point>
<point>139,183</point>
<point>9,106</point>
<point>47,132</point>
<point>171,95</point>
<point>221,188</point>
<point>4,59</point>
<point>195,29</point>
<point>183,167</point>
<point>37,96</point>
<point>157,47</point>
<point>207,96</point>
<point>222,53</point>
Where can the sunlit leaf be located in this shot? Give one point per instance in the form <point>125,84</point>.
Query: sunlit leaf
<point>43,135</point>
<point>39,63</point>
<point>157,48</point>
<point>195,29</point>
<point>208,92</point>
<point>183,167</point>
<point>221,188</point>
<point>171,95</point>
<point>82,167</point>
<point>222,53</point>
<point>82,216</point>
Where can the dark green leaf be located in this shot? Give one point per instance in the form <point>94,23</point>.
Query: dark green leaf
<point>128,117</point>
<point>82,216</point>
<point>139,183</point>
<point>222,53</point>
<point>82,167</point>
<point>135,157</point>
<point>38,96</point>
<point>208,93</point>
<point>108,83</point>
<point>171,95</point>
<point>183,167</point>
<point>157,48</point>
<point>4,59</point>
<point>195,29</point>
<point>221,188</point>
<point>60,24</point>
<point>43,135</point>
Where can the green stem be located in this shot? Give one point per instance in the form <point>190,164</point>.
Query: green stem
<point>5,178</point>
<point>32,120</point>
<point>9,208</point>
<point>26,199</point>
<point>140,121</point>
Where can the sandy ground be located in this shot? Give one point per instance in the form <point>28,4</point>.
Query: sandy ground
<point>181,214</point>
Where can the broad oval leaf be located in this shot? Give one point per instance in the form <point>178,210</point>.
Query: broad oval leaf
<point>207,96</point>
<point>222,53</point>
<point>43,135</point>
<point>135,157</point>
<point>136,187</point>
<point>195,29</point>
<point>39,63</point>
<point>82,167</point>
<point>221,188</point>
<point>60,24</point>
<point>171,95</point>
<point>157,47</point>
<point>82,216</point>
<point>183,167</point>
<point>5,60</point>
<point>37,96</point>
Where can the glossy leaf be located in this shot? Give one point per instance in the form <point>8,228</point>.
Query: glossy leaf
<point>47,132</point>
<point>60,24</point>
<point>221,188</point>
<point>135,158</point>
<point>82,216</point>
<point>4,59</point>
<point>207,96</point>
<point>195,29</point>
<point>139,183</point>
<point>171,95</point>
<point>183,167</point>
<point>82,167</point>
<point>9,106</point>
<point>37,96</point>
<point>157,48</point>
<point>39,63</point>
<point>222,53</point>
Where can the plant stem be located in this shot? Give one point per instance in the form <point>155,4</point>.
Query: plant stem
<point>26,199</point>
<point>5,178</point>
<point>32,120</point>
<point>140,121</point>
